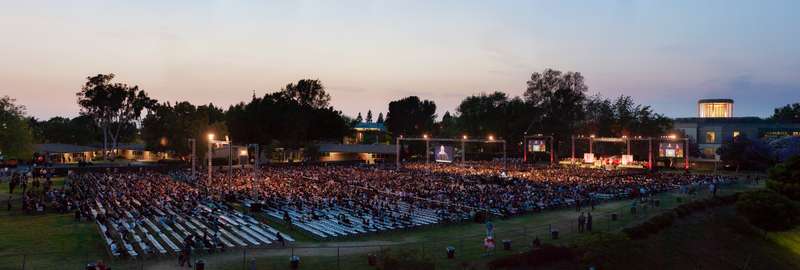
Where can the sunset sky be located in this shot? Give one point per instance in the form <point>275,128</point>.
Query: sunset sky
<point>666,54</point>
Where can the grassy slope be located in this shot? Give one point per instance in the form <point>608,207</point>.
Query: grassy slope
<point>715,239</point>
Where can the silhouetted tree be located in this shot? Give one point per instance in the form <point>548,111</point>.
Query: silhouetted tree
<point>308,92</point>
<point>112,106</point>
<point>410,116</point>
<point>380,118</point>
<point>15,135</point>
<point>789,113</point>
<point>559,98</point>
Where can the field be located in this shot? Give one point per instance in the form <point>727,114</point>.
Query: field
<point>55,241</point>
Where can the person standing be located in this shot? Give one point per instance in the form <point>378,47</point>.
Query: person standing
<point>589,222</point>
<point>280,239</point>
<point>581,222</point>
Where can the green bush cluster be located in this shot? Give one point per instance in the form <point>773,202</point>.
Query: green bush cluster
<point>403,260</point>
<point>768,210</point>
<point>784,178</point>
<point>538,257</point>
<point>664,220</point>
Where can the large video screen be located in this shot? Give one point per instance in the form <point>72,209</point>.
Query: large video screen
<point>443,153</point>
<point>670,150</point>
<point>537,146</point>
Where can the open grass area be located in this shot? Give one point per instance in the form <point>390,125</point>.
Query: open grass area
<point>46,241</point>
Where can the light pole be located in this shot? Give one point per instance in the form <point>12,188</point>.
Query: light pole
<point>210,149</point>
<point>230,156</point>
<point>193,142</point>
<point>397,156</point>
<point>464,149</point>
<point>427,149</point>
<point>256,155</point>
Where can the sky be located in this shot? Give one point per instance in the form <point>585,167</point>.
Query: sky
<point>666,54</point>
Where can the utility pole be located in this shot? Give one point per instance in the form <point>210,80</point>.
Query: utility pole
<point>210,149</point>
<point>464,150</point>
<point>230,156</point>
<point>505,161</point>
<point>427,151</point>
<point>397,156</point>
<point>194,157</point>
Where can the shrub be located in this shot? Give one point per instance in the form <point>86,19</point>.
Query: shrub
<point>768,210</point>
<point>404,260</point>
<point>784,178</point>
<point>538,257</point>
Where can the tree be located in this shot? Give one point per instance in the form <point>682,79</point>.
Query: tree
<point>168,128</point>
<point>308,92</point>
<point>79,130</point>
<point>742,152</point>
<point>559,99</point>
<point>789,113</point>
<point>277,119</point>
<point>113,106</point>
<point>784,178</point>
<point>16,139</point>
<point>380,118</point>
<point>359,119</point>
<point>622,116</point>
<point>369,116</point>
<point>493,114</point>
<point>410,116</point>
<point>448,127</point>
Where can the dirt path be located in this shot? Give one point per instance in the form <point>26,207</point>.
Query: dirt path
<point>235,257</point>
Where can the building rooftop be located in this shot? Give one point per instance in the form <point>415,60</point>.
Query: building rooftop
<point>62,148</point>
<point>715,100</point>
<point>364,126</point>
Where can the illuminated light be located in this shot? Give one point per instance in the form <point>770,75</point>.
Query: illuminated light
<point>491,137</point>
<point>591,136</point>
<point>210,136</point>
<point>464,137</point>
<point>672,136</point>
<point>243,152</point>
<point>425,136</point>
<point>227,139</point>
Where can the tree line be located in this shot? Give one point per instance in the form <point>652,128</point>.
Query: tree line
<point>554,103</point>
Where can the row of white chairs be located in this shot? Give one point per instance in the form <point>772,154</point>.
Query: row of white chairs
<point>161,235</point>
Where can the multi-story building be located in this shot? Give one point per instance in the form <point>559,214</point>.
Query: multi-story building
<point>716,124</point>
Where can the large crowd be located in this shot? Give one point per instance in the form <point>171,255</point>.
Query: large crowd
<point>369,198</point>
<point>454,192</point>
